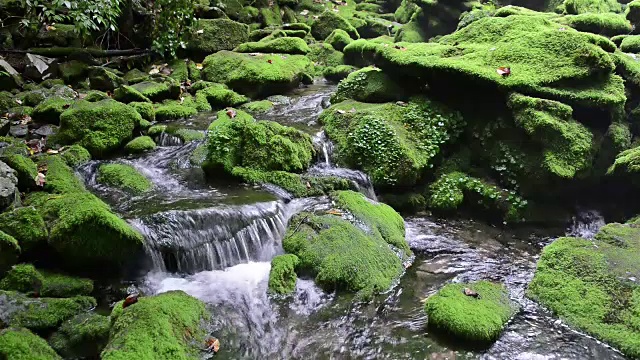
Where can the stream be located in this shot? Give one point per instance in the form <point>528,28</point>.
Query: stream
<point>215,242</point>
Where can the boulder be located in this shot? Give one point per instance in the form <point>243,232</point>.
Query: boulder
<point>9,251</point>
<point>281,45</point>
<point>26,225</point>
<point>140,144</point>
<point>282,277</point>
<point>327,22</point>
<point>123,177</point>
<point>9,78</point>
<point>104,79</point>
<point>22,344</point>
<point>83,336</point>
<point>368,85</point>
<point>214,35</point>
<point>9,194</point>
<point>39,67</point>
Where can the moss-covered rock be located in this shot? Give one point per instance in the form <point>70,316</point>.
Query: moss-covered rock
<point>343,254</point>
<point>72,71</point>
<point>218,96</point>
<point>591,284</point>
<point>26,225</point>
<point>480,319</point>
<point>179,70</point>
<point>24,278</point>
<point>135,76</point>
<point>627,165</point>
<point>95,96</point>
<point>327,22</point>
<point>100,127</point>
<point>49,110</point>
<point>60,177</point>
<point>9,251</point>
<point>157,91</point>
<point>145,109</point>
<point>124,177</point>
<point>174,111</point>
<point>127,94</point>
<point>257,107</point>
<point>368,85</point>
<point>256,75</point>
<point>630,44</point>
<point>282,277</point>
<point>339,39</point>
<point>83,336</point>
<point>166,326</point>
<point>86,234</point>
<point>22,344</point>
<point>26,170</point>
<point>216,35</point>
<point>262,145</point>
<point>42,314</point>
<point>283,45</point>
<point>104,79</point>
<point>576,7</point>
<point>392,143</point>
<point>607,24</point>
<point>63,286</point>
<point>140,144</point>
<point>75,155</point>
<point>324,55</point>
<point>299,185</point>
<point>337,73</point>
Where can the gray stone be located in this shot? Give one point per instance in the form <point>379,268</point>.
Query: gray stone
<point>39,67</point>
<point>9,77</point>
<point>19,131</point>
<point>5,125</point>
<point>8,186</point>
<point>46,130</point>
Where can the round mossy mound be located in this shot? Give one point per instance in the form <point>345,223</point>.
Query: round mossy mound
<point>124,177</point>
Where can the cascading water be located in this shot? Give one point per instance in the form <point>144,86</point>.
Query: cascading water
<point>586,224</point>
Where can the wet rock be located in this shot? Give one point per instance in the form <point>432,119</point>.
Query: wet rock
<point>46,130</point>
<point>19,131</point>
<point>5,125</point>
<point>39,67</point>
<point>8,186</point>
<point>104,79</point>
<point>9,77</point>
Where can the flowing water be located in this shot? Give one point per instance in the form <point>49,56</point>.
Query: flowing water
<point>215,242</point>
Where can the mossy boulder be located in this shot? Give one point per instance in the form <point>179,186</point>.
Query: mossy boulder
<point>135,76</point>
<point>145,109</point>
<point>282,277</point>
<point>479,320</point>
<point>216,35</point>
<point>171,325</point>
<point>262,145</point>
<point>576,7</point>
<point>26,226</point>
<point>607,24</point>
<point>124,177</point>
<point>100,127</point>
<point>339,39</point>
<point>327,22</point>
<point>139,145</point>
<point>75,155</point>
<point>60,177</point>
<point>324,55</point>
<point>9,251</point>
<point>258,75</point>
<point>26,170</point>
<point>156,90</point>
<point>394,144</point>
<point>368,85</point>
<point>630,44</point>
<point>83,336</point>
<point>257,107</point>
<point>127,94</point>
<point>350,249</point>
<point>49,110</point>
<point>22,344</point>
<point>174,111</point>
<point>337,73</point>
<point>219,96</point>
<point>95,95</point>
<point>86,234</point>
<point>58,285</point>
<point>104,79</point>
<point>299,185</point>
<point>591,284</point>
<point>41,314</point>
<point>72,71</point>
<point>282,45</point>
<point>24,278</point>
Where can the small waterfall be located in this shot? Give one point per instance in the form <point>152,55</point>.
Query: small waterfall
<point>324,148</point>
<point>165,139</point>
<point>216,238</point>
<point>586,224</point>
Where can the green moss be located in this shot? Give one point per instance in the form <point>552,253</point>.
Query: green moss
<point>60,178</point>
<point>174,111</point>
<point>537,51</point>
<point>31,98</point>
<point>49,110</point>
<point>104,79</point>
<point>627,164</point>
<point>630,44</point>
<point>145,109</point>
<point>576,7</point>
<point>83,336</point>
<point>180,71</point>
<point>63,286</point>
<point>271,16</point>
<point>76,155</point>
<point>169,326</point>
<point>26,170</point>
<point>411,32</point>
<point>9,251</point>
<point>607,24</point>
<point>14,147</point>
<point>25,225</point>
<point>339,39</point>
<point>135,76</point>
<point>282,277</point>
<point>405,11</point>
<point>474,319</point>
<point>324,54</point>
<point>566,143</point>
<point>216,35</point>
<point>632,12</point>
<point>127,94</point>
<point>139,145</point>
<point>22,344</point>
<point>393,144</point>
<point>341,255</point>
<point>337,73</point>
<point>219,97</point>
<point>296,184</point>
<point>6,101</point>
<point>368,85</point>
<point>156,91</point>
<point>297,26</point>
<point>260,145</point>
<point>156,130</point>
<point>23,278</point>
<point>194,72</point>
<point>95,96</point>
<point>188,135</point>
<point>327,22</point>
<point>257,107</point>
<point>86,234</point>
<point>588,284</point>
<point>284,45</point>
<point>100,127</point>
<point>124,177</point>
<point>72,71</point>
<point>256,75</point>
